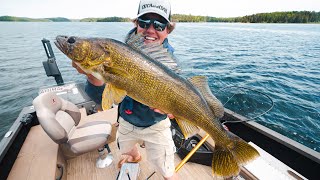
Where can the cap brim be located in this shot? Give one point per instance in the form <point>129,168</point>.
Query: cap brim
<point>159,13</point>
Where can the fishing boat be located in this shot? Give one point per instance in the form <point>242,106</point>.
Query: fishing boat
<point>28,152</point>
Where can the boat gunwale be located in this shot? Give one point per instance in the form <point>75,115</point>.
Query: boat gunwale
<point>291,144</point>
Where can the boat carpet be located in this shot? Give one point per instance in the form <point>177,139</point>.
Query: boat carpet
<point>83,167</point>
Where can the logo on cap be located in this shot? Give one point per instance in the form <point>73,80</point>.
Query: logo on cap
<point>154,6</point>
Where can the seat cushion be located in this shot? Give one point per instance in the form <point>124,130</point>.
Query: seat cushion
<point>66,121</point>
<point>89,136</point>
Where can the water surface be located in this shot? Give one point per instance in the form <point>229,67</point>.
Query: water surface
<point>245,64</point>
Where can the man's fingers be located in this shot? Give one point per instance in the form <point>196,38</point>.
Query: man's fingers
<point>94,80</point>
<point>74,64</point>
<point>91,78</point>
<point>77,68</point>
<point>157,110</point>
<point>170,116</point>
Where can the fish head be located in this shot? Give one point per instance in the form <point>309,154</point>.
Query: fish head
<point>86,52</point>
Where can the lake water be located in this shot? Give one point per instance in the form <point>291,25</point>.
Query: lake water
<point>246,64</point>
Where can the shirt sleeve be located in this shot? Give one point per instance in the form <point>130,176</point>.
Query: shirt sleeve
<point>94,92</point>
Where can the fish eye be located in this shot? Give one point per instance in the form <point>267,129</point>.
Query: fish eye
<point>72,40</point>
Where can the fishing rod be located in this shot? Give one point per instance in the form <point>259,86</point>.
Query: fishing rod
<point>185,159</point>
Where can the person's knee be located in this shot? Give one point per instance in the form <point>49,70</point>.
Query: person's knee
<point>163,160</point>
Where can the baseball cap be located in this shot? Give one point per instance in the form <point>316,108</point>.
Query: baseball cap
<point>161,7</point>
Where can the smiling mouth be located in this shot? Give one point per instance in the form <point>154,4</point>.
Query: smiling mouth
<point>149,38</point>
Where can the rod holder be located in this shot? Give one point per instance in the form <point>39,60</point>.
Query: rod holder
<point>50,66</point>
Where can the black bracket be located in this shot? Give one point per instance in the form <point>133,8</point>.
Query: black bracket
<point>50,65</point>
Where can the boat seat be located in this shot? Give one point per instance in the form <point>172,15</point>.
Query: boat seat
<point>60,120</point>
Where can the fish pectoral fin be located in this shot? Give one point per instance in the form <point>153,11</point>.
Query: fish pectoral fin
<point>187,128</point>
<point>201,83</point>
<point>116,72</point>
<point>112,95</point>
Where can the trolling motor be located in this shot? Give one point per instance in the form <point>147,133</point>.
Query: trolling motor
<point>50,65</point>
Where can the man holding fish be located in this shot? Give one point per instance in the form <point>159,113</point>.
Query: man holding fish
<point>140,75</point>
<point>140,123</point>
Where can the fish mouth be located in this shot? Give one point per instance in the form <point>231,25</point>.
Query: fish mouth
<point>61,43</point>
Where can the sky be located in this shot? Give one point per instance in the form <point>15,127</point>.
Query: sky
<point>78,9</point>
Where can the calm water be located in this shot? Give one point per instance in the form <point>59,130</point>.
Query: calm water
<point>245,64</point>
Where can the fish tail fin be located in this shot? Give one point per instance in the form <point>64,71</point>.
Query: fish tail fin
<point>244,152</point>
<point>223,163</point>
<point>226,161</point>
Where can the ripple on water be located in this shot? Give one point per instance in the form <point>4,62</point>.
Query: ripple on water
<point>280,60</point>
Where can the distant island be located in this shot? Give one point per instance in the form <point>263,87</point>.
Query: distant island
<point>25,19</point>
<point>274,17</point>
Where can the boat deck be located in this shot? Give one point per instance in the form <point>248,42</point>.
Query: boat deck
<point>40,151</point>
<point>83,167</point>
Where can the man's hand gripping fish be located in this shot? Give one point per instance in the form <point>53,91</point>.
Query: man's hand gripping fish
<point>135,69</point>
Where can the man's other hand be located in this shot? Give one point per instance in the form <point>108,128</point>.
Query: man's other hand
<point>170,116</point>
<point>91,78</point>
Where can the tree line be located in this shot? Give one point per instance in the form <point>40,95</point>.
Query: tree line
<point>107,19</point>
<point>275,17</point>
<point>25,19</point>
<point>282,17</point>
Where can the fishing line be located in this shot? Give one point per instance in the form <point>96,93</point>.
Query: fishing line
<point>250,89</point>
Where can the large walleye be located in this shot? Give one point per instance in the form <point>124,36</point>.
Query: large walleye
<point>135,69</point>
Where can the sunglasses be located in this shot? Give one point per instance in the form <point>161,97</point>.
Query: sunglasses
<point>145,24</point>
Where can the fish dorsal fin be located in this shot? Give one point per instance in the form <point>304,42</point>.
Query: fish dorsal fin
<point>201,82</point>
<point>112,95</point>
<point>187,128</point>
<point>154,50</point>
